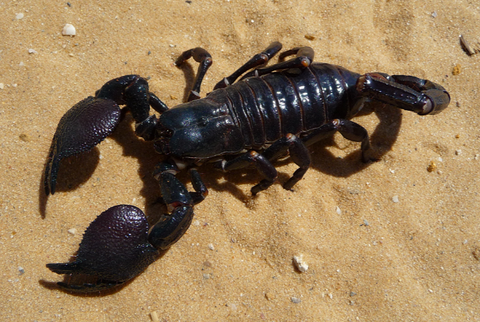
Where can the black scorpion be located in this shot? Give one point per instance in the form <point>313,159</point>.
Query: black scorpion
<point>270,112</point>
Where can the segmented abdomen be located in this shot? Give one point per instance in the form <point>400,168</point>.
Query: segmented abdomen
<point>268,107</point>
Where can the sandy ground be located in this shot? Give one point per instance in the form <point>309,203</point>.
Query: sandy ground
<point>388,241</point>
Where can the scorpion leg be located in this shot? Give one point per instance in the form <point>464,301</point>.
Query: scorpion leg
<point>205,59</point>
<point>298,153</point>
<point>171,227</point>
<point>349,130</point>
<point>263,162</point>
<point>263,165</point>
<point>303,59</point>
<point>406,92</point>
<point>170,166</point>
<point>257,60</point>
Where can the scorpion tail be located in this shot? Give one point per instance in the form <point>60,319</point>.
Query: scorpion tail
<point>406,92</point>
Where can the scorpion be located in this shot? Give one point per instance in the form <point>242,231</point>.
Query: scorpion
<point>270,112</point>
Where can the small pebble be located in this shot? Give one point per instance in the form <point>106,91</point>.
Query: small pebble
<point>310,37</point>
<point>300,264</point>
<point>2,86</point>
<point>295,300</point>
<point>21,270</point>
<point>32,51</point>
<point>476,254</point>
<point>338,210</point>
<point>458,152</point>
<point>19,16</point>
<point>269,296</point>
<point>154,316</point>
<point>432,166</point>
<point>456,69</point>
<point>69,30</point>
<point>395,199</point>
<point>24,137</point>
<point>466,46</point>
<point>211,247</point>
<point>72,231</point>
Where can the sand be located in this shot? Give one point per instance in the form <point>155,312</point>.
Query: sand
<point>385,241</point>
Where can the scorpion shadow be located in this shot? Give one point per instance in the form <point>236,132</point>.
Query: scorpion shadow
<point>382,140</point>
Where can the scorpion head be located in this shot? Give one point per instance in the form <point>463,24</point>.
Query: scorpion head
<point>197,130</point>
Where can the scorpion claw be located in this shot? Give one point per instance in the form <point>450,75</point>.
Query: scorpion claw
<point>85,125</point>
<point>114,249</point>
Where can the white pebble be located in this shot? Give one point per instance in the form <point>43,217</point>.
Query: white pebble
<point>295,300</point>
<point>211,247</point>
<point>395,198</point>
<point>2,86</point>
<point>300,264</point>
<point>19,16</point>
<point>32,51</point>
<point>338,210</point>
<point>69,30</point>
<point>72,231</point>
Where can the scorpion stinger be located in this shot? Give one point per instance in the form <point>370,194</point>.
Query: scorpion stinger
<point>406,92</point>
<point>269,113</point>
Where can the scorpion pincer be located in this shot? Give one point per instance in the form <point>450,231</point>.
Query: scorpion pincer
<point>268,113</point>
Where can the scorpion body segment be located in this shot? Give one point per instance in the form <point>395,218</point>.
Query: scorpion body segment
<point>258,111</point>
<point>270,112</point>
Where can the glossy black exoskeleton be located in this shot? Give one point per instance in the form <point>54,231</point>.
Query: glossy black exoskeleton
<point>268,113</point>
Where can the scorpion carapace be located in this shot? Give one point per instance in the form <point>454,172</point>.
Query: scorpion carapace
<point>270,112</point>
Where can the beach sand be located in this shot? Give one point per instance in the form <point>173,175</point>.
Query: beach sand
<point>393,240</point>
